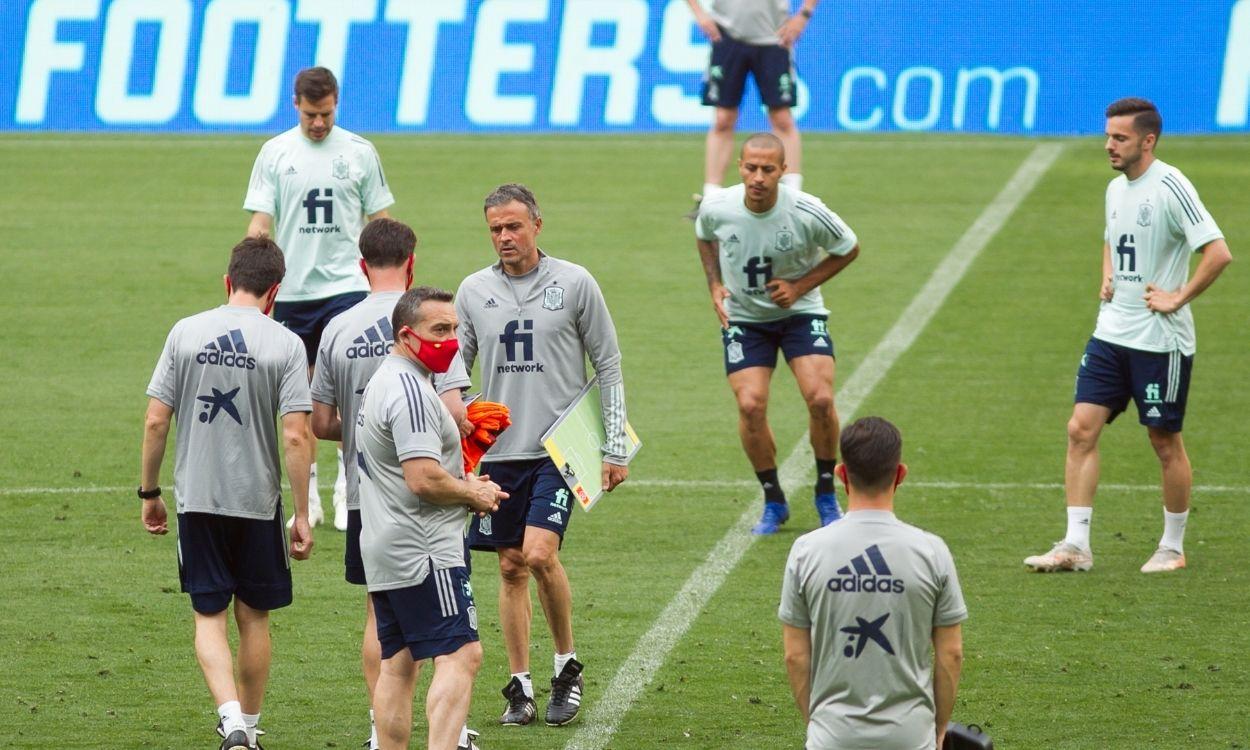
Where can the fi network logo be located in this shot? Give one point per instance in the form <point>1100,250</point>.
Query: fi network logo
<point>518,347</point>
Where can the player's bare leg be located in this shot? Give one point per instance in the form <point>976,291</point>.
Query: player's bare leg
<point>719,146</point>
<point>212,650</point>
<point>542,557</point>
<point>814,374</point>
<point>784,127</point>
<point>392,700</point>
<point>1080,480</point>
<point>254,655</point>
<point>370,649</point>
<point>750,389</point>
<point>515,612</point>
<point>1178,481</point>
<point>447,700</point>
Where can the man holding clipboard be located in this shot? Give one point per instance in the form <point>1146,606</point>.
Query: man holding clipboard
<point>534,320</point>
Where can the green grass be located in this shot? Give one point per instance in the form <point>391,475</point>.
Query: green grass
<point>108,241</point>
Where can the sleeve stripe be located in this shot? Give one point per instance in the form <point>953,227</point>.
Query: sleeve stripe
<point>416,409</point>
<point>1182,195</point>
<point>826,220</point>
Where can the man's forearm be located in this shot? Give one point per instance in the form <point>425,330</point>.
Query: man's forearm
<point>709,255</point>
<point>434,485</point>
<point>155,435</point>
<point>945,686</point>
<point>1215,258</point>
<point>298,465</point>
<point>824,270</point>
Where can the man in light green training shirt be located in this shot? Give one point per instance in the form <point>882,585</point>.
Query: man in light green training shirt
<point>862,602</point>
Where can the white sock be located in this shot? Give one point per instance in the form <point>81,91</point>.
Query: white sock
<point>1174,530</point>
<point>562,659</point>
<point>231,715</point>
<point>464,736</point>
<point>1078,526</point>
<point>312,478</point>
<point>341,482</point>
<point>373,731</point>
<point>710,189</point>
<point>526,683</point>
<point>792,179</point>
<point>249,723</point>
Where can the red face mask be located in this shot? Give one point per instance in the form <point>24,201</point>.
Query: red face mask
<point>435,355</point>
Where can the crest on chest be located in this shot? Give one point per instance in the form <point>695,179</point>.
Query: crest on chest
<point>553,298</point>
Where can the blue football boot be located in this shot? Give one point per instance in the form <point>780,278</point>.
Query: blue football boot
<point>775,514</point>
<point>828,508</point>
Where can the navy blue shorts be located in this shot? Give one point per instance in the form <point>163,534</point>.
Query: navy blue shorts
<point>308,319</point>
<point>223,556</point>
<point>1110,375</point>
<point>732,60</point>
<point>433,618</point>
<point>353,563</point>
<point>756,344</point>
<point>538,496</point>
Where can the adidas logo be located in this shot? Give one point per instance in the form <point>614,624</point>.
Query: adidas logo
<point>1154,412</point>
<point>289,171</point>
<point>868,573</point>
<point>732,238</point>
<point>819,343</point>
<point>491,304</point>
<point>229,350</point>
<point>556,518</point>
<point>376,341</point>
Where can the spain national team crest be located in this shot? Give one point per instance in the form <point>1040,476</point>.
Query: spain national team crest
<point>785,241</point>
<point>553,298</point>
<point>338,168</point>
<point>1144,212</point>
<point>733,352</point>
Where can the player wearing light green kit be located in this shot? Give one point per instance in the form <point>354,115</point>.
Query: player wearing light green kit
<point>1143,344</point>
<point>872,610</point>
<point>766,249</point>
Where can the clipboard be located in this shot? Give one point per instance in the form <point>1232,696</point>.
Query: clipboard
<point>575,444</point>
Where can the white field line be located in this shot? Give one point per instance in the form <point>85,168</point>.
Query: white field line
<point>743,484</point>
<point>709,484</point>
<point>653,648</point>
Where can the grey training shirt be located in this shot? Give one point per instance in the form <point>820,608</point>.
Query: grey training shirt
<point>533,334</point>
<point>229,373</point>
<point>353,344</point>
<point>871,589</point>
<point>401,535</point>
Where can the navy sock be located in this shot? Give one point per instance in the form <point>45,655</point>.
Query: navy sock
<point>772,486</point>
<point>824,476</point>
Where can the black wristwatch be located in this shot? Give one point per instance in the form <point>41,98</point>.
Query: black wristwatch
<point>151,494</point>
<point>805,13</point>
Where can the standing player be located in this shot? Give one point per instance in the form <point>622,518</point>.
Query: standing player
<point>766,249</point>
<point>534,320</point>
<point>756,37</point>
<point>1143,344</point>
<point>227,374</point>
<point>871,613</point>
<point>414,498</point>
<point>311,189</point>
<point>353,345</point>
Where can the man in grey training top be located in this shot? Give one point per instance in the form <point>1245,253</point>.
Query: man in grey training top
<point>227,374</point>
<point>414,499</point>
<point>353,345</point>
<point>534,320</point>
<point>862,602</point>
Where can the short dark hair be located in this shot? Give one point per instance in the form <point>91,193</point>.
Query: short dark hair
<point>766,141</point>
<point>408,308</point>
<point>871,451</point>
<point>1146,117</point>
<point>387,243</point>
<point>513,191</point>
<point>256,264</point>
<point>315,84</point>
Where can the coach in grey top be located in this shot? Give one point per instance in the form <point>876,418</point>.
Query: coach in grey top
<point>533,320</point>
<point>227,375</point>
<point>414,498</point>
<point>862,603</point>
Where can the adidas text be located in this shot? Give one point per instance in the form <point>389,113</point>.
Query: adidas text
<point>376,349</point>
<point>229,359</point>
<point>866,584</point>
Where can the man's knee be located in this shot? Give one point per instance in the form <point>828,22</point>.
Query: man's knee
<point>1082,433</point>
<point>1167,445</point>
<point>725,121</point>
<point>782,121</point>
<point>820,404</point>
<point>512,568</point>
<point>752,405</point>
<point>541,559</point>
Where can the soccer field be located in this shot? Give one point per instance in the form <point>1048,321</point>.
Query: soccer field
<point>109,240</point>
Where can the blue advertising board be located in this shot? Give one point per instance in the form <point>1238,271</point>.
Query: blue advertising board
<point>1000,66</point>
